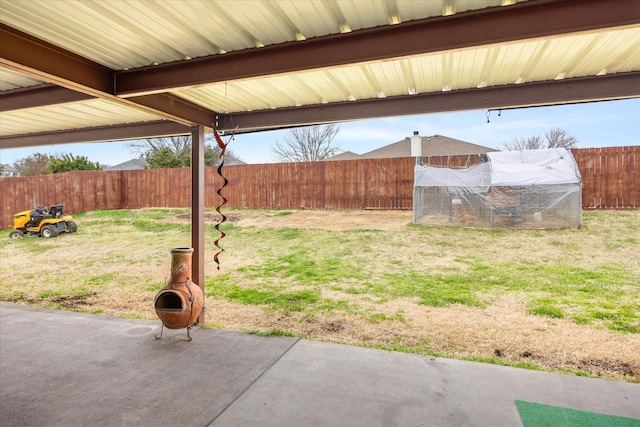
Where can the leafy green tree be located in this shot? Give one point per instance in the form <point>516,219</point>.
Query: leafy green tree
<point>307,144</point>
<point>1,169</point>
<point>175,151</point>
<point>166,158</point>
<point>212,155</point>
<point>68,162</point>
<point>38,164</point>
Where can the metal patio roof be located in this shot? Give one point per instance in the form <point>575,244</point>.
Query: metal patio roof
<point>80,71</point>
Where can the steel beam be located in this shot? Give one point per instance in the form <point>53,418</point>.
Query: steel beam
<point>96,134</point>
<point>39,96</point>
<point>179,107</point>
<point>44,61</point>
<point>616,86</point>
<point>31,56</point>
<point>537,18</point>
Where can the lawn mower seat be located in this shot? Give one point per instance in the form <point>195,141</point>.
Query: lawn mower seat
<point>36,217</point>
<point>56,211</point>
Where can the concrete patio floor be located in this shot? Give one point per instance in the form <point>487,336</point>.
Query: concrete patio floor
<point>61,368</point>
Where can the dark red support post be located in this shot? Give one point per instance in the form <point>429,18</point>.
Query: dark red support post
<point>197,207</point>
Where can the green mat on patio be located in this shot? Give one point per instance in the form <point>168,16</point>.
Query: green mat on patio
<point>539,415</point>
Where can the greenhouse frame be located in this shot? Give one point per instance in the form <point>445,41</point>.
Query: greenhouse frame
<point>539,189</point>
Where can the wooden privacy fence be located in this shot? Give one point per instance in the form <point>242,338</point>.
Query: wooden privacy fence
<point>610,178</point>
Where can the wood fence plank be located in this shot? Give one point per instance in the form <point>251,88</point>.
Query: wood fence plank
<point>610,179</point>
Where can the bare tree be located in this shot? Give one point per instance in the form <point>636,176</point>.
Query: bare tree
<point>179,145</point>
<point>559,138</point>
<point>520,143</point>
<point>554,138</point>
<point>38,164</point>
<point>307,144</point>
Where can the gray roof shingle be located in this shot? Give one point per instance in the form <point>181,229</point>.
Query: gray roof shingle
<point>435,145</point>
<point>133,164</point>
<point>347,155</point>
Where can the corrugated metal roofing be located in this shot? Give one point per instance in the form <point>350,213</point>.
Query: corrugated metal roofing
<point>494,65</point>
<point>122,34</point>
<point>142,33</point>
<point>12,80</point>
<point>75,115</point>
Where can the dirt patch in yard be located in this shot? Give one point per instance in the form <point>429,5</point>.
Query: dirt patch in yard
<point>325,220</point>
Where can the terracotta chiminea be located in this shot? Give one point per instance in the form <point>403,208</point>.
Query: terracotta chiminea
<point>179,303</point>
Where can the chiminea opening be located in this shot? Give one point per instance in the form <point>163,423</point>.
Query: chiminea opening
<point>169,301</point>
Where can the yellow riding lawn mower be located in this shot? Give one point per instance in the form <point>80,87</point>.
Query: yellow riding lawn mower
<point>43,222</point>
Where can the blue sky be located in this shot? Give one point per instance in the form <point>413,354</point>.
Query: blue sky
<point>597,124</point>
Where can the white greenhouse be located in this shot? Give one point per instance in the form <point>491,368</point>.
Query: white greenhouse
<point>512,189</point>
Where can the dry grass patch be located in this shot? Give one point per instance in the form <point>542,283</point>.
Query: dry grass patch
<point>565,300</point>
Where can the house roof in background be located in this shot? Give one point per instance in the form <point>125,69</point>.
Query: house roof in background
<point>346,155</point>
<point>133,164</point>
<point>435,145</point>
<point>234,162</point>
<point>9,170</point>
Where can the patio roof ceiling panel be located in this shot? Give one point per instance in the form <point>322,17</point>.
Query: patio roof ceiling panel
<point>224,98</point>
<point>427,71</point>
<point>614,51</point>
<point>34,97</point>
<point>249,95</point>
<point>265,23</point>
<point>10,79</point>
<point>294,87</point>
<point>498,64</point>
<point>581,54</point>
<point>127,131</point>
<point>313,18</point>
<point>216,24</point>
<point>245,97</point>
<point>41,60</point>
<point>408,8</point>
<point>311,89</point>
<point>380,43</point>
<point>424,53</point>
<point>80,28</point>
<point>143,33</point>
<point>358,17</point>
<point>392,77</point>
<point>91,113</point>
<point>587,89</point>
<point>274,92</point>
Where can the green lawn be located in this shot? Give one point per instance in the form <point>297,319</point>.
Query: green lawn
<point>118,260</point>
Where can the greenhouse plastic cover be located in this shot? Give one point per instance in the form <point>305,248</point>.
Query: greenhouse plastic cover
<point>551,166</point>
<point>524,189</point>
<point>529,167</point>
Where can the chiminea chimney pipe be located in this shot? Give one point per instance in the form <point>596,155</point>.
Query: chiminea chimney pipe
<point>416,144</point>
